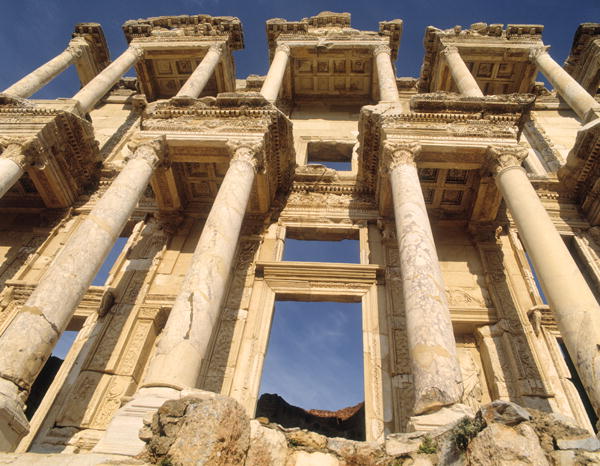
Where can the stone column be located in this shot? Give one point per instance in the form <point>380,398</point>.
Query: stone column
<point>272,84</point>
<point>34,81</point>
<point>436,372</point>
<point>196,308</point>
<point>28,341</point>
<point>388,90</point>
<point>101,84</point>
<point>12,165</point>
<point>465,82</point>
<point>195,84</point>
<point>572,302</point>
<point>182,345</point>
<point>576,96</point>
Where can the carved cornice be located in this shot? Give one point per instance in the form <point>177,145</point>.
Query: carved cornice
<point>397,153</point>
<point>500,158</point>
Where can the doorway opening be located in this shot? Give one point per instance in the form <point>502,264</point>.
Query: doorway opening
<point>313,375</point>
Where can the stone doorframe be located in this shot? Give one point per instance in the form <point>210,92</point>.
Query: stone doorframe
<point>310,281</point>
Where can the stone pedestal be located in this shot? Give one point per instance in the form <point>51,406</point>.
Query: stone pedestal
<point>182,345</point>
<point>101,84</point>
<point>195,84</point>
<point>272,84</point>
<point>34,81</point>
<point>29,339</point>
<point>576,96</point>
<point>435,368</point>
<point>388,90</point>
<point>572,302</point>
<point>462,77</point>
<point>12,166</point>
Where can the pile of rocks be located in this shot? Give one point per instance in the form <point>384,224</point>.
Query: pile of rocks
<point>211,429</point>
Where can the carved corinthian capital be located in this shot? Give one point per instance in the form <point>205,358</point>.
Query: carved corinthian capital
<point>537,51</point>
<point>151,149</point>
<point>23,151</point>
<point>397,153</point>
<point>283,48</point>
<point>251,151</point>
<point>449,50</point>
<point>382,49</point>
<point>500,158</point>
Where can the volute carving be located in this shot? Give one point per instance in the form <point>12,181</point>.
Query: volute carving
<point>500,158</point>
<point>151,149</point>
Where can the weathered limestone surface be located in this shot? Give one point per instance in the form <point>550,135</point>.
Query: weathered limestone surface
<point>388,91</point>
<point>30,337</point>
<point>272,84</point>
<point>12,166</point>
<point>432,349</point>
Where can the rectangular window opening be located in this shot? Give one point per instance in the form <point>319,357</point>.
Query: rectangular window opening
<point>331,154</point>
<point>313,371</point>
<point>307,245</point>
<point>53,364</point>
<point>102,275</point>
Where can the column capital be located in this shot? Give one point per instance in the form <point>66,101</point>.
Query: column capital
<point>500,158</point>
<point>449,50</point>
<point>22,151</point>
<point>537,51</point>
<point>283,48</point>
<point>152,149</point>
<point>217,47</point>
<point>76,46</point>
<point>400,152</point>
<point>250,151</point>
<point>382,48</point>
<point>136,49</point>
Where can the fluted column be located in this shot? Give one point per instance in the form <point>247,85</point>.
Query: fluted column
<point>191,322</point>
<point>462,77</point>
<point>574,94</point>
<point>272,85</point>
<point>28,341</point>
<point>195,84</point>
<point>93,91</point>
<point>34,81</point>
<point>436,372</point>
<point>572,302</point>
<point>388,90</point>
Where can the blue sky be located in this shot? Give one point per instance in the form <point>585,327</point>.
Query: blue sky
<point>315,354</point>
<point>33,31</point>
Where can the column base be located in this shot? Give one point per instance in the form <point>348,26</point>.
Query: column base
<point>122,435</point>
<point>13,423</point>
<point>439,418</point>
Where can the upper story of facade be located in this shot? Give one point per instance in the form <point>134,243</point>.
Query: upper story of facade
<point>331,98</point>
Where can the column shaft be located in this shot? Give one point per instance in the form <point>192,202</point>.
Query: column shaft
<point>572,302</point>
<point>34,81</point>
<point>184,340</point>
<point>101,84</point>
<point>195,84</point>
<point>388,90</point>
<point>436,372</point>
<point>574,94</point>
<point>272,84</point>
<point>28,341</point>
<point>12,166</point>
<point>464,80</point>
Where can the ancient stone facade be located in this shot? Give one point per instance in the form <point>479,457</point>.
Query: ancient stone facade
<point>460,183</point>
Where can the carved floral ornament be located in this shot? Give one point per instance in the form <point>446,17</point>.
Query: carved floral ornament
<point>250,151</point>
<point>382,48</point>
<point>537,51</point>
<point>399,153</point>
<point>449,50</point>
<point>500,158</point>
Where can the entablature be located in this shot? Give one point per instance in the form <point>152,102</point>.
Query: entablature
<point>583,62</point>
